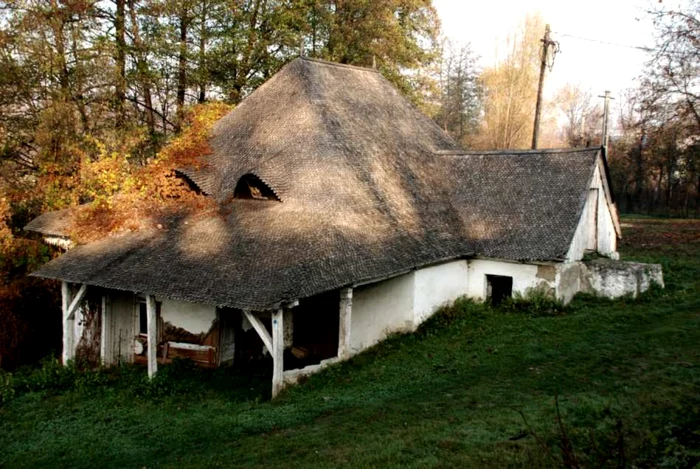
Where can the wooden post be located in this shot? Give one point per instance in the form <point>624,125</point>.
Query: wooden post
<point>345,323</point>
<point>260,329</point>
<point>546,44</point>
<point>606,116</point>
<point>151,325</point>
<point>105,331</point>
<point>68,330</point>
<point>277,351</point>
<point>69,307</point>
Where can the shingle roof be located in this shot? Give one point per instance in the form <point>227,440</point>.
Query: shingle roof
<point>55,223</point>
<point>522,205</point>
<point>369,187</point>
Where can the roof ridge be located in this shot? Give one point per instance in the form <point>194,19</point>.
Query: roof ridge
<point>516,152</point>
<point>336,64</point>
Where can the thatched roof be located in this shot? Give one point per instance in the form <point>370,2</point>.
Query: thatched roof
<point>56,223</point>
<point>369,187</point>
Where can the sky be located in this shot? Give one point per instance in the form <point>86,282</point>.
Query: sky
<point>594,66</point>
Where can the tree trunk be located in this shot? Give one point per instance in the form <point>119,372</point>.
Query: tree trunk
<point>120,59</point>
<point>202,54</point>
<point>142,70</point>
<point>79,85</point>
<point>57,23</point>
<point>182,68</point>
<point>639,178</point>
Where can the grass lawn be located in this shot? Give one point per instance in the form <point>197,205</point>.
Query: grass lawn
<point>626,373</point>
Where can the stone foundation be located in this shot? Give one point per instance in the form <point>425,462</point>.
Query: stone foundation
<point>612,279</point>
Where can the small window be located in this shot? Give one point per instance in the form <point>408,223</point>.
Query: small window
<point>498,288</point>
<point>143,316</point>
<point>252,187</point>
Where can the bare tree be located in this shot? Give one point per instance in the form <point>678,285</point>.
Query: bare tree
<point>582,116</point>
<point>674,70</point>
<point>511,89</point>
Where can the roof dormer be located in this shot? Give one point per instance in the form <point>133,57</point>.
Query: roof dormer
<point>250,186</point>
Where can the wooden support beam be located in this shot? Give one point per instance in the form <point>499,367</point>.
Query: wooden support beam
<point>69,306</point>
<point>345,323</point>
<point>76,301</point>
<point>152,327</point>
<point>277,352</point>
<point>105,331</point>
<point>68,329</point>
<point>260,329</point>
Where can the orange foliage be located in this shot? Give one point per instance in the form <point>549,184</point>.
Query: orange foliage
<point>127,198</point>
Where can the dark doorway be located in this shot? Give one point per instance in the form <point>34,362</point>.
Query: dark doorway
<point>315,336</point>
<point>498,288</point>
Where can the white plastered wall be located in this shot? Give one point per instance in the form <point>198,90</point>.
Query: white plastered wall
<point>381,308</point>
<point>524,275</point>
<point>437,285</point>
<point>192,317</point>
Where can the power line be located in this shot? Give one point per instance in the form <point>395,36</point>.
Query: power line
<point>642,48</point>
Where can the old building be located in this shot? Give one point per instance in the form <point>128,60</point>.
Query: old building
<point>349,215</point>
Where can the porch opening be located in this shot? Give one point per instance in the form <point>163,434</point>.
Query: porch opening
<point>315,331</point>
<point>251,186</point>
<point>141,339</point>
<point>498,288</point>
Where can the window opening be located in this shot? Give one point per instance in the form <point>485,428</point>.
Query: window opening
<point>498,288</point>
<point>142,319</point>
<point>252,187</point>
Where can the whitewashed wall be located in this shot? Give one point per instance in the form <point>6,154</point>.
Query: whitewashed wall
<point>437,285</point>
<point>570,280</point>
<point>607,238</point>
<point>192,317</point>
<point>524,275</point>
<point>381,308</point>
<point>589,234</point>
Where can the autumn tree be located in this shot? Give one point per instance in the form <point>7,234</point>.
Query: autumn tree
<point>90,91</point>
<point>510,89</point>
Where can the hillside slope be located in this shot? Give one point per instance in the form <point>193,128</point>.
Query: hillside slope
<point>626,373</point>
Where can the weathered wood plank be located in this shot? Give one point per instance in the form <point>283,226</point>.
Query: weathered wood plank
<point>105,330</point>
<point>277,352</point>
<point>68,329</point>
<point>76,301</point>
<point>152,327</point>
<point>260,329</point>
<point>345,323</point>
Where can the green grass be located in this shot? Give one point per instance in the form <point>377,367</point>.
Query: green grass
<point>627,374</point>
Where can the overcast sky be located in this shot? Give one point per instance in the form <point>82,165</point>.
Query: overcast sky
<point>593,65</point>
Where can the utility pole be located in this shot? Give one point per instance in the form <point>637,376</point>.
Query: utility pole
<point>606,115</point>
<point>546,44</point>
